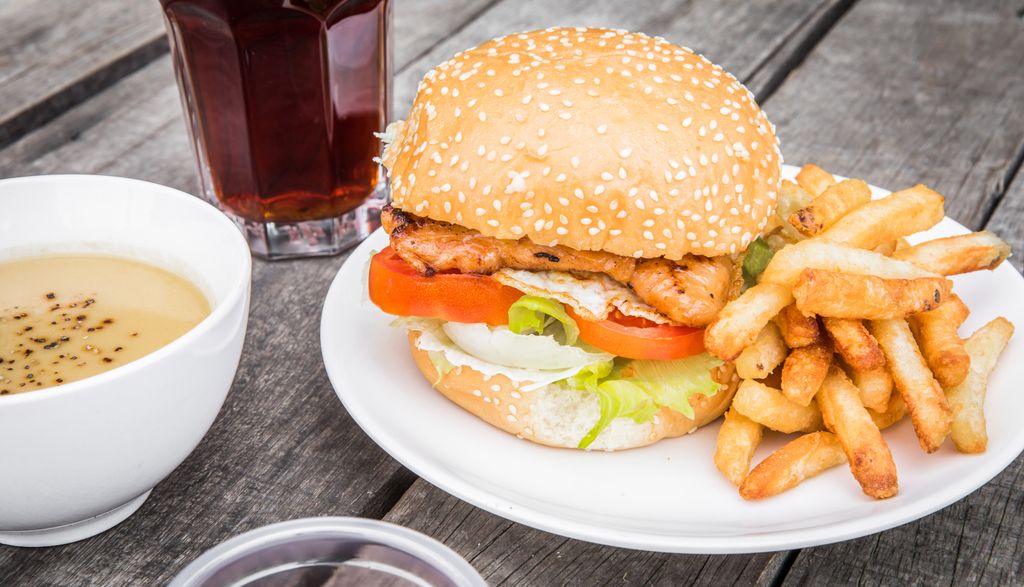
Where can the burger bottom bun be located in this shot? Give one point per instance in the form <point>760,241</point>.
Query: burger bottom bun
<point>560,417</point>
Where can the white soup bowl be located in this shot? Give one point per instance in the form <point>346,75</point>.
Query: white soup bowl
<point>79,458</point>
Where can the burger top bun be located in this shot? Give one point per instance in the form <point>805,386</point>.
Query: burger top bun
<point>594,139</point>
<point>561,417</point>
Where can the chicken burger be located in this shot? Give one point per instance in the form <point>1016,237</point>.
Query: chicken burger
<point>568,209</point>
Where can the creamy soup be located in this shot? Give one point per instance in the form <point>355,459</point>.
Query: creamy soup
<point>68,317</point>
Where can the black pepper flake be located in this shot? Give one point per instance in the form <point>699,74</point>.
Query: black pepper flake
<point>108,360</point>
<point>52,345</point>
<point>80,317</point>
<point>118,349</point>
<point>51,295</point>
<point>59,380</point>
<point>108,321</point>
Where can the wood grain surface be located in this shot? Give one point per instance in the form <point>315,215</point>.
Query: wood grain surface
<point>56,54</point>
<point>895,92</point>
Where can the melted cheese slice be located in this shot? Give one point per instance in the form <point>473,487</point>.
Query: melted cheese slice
<point>592,297</point>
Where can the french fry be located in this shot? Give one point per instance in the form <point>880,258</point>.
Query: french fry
<point>742,319</point>
<point>887,248</point>
<point>940,344</point>
<point>967,399</point>
<point>770,408</point>
<point>738,438</point>
<point>875,387</point>
<point>869,457</point>
<point>758,360</point>
<point>893,413</point>
<point>814,179</point>
<point>803,372</point>
<point>925,400</point>
<point>846,295</point>
<point>787,264</point>
<point>881,221</point>
<point>957,254</point>
<point>835,202</point>
<point>785,468</point>
<point>854,343</point>
<point>797,330</point>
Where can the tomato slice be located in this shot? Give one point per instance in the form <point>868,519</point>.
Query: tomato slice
<point>399,289</point>
<point>637,338</point>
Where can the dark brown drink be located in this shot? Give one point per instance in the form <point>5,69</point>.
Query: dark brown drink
<point>283,98</point>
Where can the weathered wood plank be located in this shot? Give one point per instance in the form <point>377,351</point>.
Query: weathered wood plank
<point>746,38</point>
<point>1008,217</point>
<point>56,54</point>
<point>900,93</point>
<point>908,92</point>
<point>513,554</point>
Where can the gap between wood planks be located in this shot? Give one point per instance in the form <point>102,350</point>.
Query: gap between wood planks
<point>43,112</point>
<point>1012,170</point>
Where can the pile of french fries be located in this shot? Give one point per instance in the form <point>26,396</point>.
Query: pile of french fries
<point>846,311</point>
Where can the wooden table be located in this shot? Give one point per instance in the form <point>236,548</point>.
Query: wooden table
<point>894,91</point>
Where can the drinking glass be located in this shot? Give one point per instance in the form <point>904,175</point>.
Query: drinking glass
<point>282,98</point>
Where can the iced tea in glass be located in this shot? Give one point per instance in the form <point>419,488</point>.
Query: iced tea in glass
<point>282,98</point>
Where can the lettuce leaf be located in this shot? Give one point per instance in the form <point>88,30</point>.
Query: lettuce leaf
<point>534,314</point>
<point>756,259</point>
<point>638,389</point>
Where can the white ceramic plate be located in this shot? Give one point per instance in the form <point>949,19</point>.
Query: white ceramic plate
<point>668,497</point>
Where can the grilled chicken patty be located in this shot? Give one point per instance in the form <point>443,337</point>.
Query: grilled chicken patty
<point>690,291</point>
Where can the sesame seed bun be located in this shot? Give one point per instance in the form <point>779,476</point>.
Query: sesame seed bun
<point>594,139</point>
<point>560,417</point>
